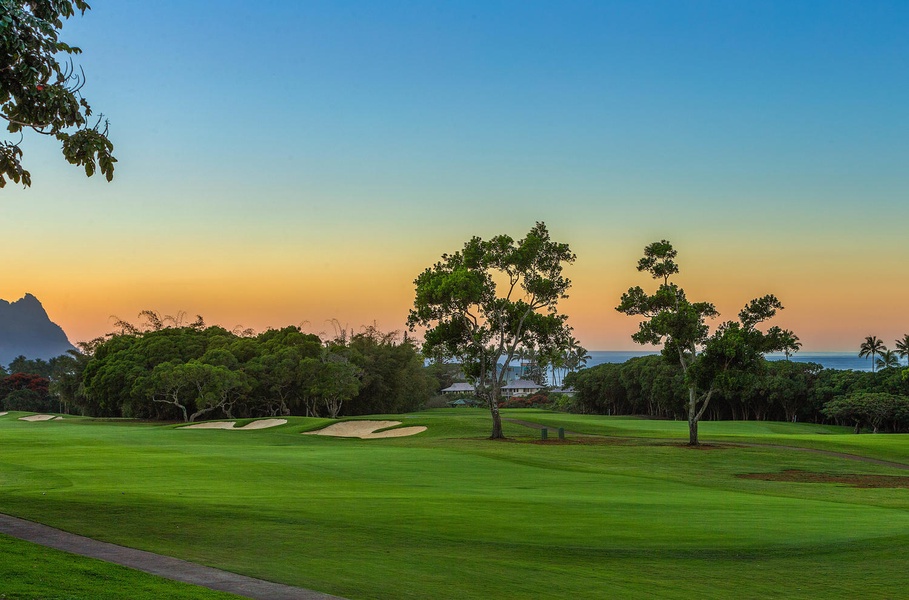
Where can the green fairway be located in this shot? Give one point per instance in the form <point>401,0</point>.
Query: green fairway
<point>449,514</point>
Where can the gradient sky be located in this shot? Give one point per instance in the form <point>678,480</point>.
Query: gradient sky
<point>295,161</point>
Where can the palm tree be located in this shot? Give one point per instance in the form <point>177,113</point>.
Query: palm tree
<point>902,347</point>
<point>872,346</point>
<point>888,360</point>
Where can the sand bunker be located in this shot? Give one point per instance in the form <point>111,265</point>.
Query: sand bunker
<point>39,418</point>
<point>231,425</point>
<point>3,414</point>
<point>366,430</point>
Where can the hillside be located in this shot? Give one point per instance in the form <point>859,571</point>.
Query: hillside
<point>26,329</point>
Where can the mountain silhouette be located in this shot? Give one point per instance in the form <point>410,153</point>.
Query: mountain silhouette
<point>25,329</point>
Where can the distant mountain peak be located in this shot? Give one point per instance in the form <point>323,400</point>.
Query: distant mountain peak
<point>26,330</point>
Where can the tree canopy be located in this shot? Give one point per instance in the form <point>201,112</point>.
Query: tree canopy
<point>40,93</point>
<point>171,371</point>
<point>482,304</point>
<point>709,361</point>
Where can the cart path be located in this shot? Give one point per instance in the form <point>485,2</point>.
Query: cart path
<point>156,564</point>
<point>843,455</point>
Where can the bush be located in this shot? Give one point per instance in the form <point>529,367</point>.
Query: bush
<point>438,401</point>
<point>563,403</point>
<point>535,401</point>
<point>27,400</point>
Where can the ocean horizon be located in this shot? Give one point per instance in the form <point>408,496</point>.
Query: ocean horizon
<point>828,360</point>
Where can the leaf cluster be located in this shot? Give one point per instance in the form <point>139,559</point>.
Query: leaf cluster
<point>40,93</point>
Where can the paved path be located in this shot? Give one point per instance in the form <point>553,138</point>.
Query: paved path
<point>163,566</point>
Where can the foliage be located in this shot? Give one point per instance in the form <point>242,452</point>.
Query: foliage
<point>167,370</point>
<point>888,360</point>
<point>41,94</point>
<point>877,409</point>
<point>871,347</point>
<point>458,301</point>
<point>902,347</point>
<point>709,362</point>
<point>25,391</point>
<point>535,401</point>
<point>392,376</point>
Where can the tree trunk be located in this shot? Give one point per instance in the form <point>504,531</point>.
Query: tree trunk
<point>497,433</point>
<point>692,417</point>
<point>693,432</point>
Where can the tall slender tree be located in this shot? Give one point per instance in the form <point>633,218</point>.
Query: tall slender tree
<point>871,347</point>
<point>709,362</point>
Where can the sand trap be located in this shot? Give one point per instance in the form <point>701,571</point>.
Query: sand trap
<point>260,424</point>
<point>38,418</point>
<point>366,430</point>
<point>3,414</point>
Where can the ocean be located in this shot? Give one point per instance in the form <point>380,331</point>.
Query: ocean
<point>828,360</point>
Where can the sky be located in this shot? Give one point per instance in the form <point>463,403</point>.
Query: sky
<point>291,162</point>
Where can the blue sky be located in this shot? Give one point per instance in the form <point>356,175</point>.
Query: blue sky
<point>288,161</point>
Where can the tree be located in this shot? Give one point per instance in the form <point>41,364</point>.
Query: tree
<point>888,360</point>
<point>902,347</point>
<point>331,380</point>
<point>791,343</point>
<point>873,408</point>
<point>871,347</point>
<point>457,300</point>
<point>40,94</point>
<point>708,362</point>
<point>576,356</point>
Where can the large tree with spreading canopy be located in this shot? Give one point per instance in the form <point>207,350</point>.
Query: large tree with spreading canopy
<point>482,304</point>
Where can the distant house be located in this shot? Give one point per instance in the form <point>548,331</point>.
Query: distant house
<point>521,387</point>
<point>460,388</point>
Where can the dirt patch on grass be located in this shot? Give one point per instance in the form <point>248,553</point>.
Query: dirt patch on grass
<point>585,441</point>
<point>854,480</point>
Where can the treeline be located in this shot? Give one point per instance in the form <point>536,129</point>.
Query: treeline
<point>193,372</point>
<point>35,384</point>
<point>777,391</point>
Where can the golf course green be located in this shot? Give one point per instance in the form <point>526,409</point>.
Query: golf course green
<point>622,508</point>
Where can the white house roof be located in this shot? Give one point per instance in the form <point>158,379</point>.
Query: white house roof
<point>522,384</point>
<point>460,387</point>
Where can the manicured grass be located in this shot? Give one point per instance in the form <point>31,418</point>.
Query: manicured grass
<point>449,514</point>
<point>29,571</point>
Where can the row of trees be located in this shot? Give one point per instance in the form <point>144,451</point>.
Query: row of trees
<point>167,370</point>
<point>38,385</point>
<point>874,346</point>
<point>773,390</point>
